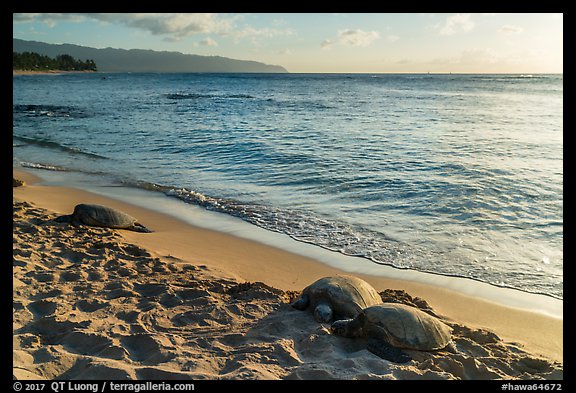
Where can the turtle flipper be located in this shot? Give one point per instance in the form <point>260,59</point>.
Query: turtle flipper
<point>301,303</point>
<point>387,352</point>
<point>76,221</point>
<point>137,227</point>
<point>70,219</point>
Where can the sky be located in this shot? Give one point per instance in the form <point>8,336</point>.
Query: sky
<point>330,43</point>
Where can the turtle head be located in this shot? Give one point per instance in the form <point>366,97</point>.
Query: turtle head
<point>323,313</point>
<point>66,218</point>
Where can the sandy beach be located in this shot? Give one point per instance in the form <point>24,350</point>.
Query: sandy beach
<point>185,302</point>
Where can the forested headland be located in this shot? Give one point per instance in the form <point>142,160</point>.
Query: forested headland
<point>142,60</point>
<point>31,61</point>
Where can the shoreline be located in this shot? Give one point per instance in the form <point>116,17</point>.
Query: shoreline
<point>198,216</point>
<point>246,260</point>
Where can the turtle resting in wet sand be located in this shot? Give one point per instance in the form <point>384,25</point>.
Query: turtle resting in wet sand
<point>391,326</point>
<point>337,297</point>
<point>102,216</point>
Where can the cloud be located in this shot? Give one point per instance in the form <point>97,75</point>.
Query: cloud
<point>510,29</point>
<point>350,37</point>
<point>49,19</point>
<point>456,23</point>
<point>265,32</point>
<point>357,37</point>
<point>206,42</point>
<point>175,26</point>
<point>326,44</point>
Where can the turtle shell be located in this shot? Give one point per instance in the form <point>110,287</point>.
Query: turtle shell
<point>404,326</point>
<point>347,295</point>
<point>103,216</point>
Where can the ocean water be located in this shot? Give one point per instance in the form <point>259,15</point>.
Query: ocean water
<point>458,175</point>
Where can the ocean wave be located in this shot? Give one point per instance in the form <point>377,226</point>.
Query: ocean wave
<point>339,237</point>
<point>303,226</point>
<point>195,96</point>
<point>48,167</point>
<point>55,145</point>
<point>60,168</point>
<point>50,110</point>
<point>290,103</point>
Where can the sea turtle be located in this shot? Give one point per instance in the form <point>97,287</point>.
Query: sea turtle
<point>337,297</point>
<point>390,326</point>
<point>102,216</point>
<point>17,182</point>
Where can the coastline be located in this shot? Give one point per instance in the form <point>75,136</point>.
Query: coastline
<point>48,72</point>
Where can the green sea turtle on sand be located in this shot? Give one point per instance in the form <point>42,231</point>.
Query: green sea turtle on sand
<point>337,297</point>
<point>17,182</point>
<point>102,216</point>
<point>391,326</point>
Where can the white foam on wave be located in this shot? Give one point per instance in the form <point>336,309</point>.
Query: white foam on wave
<point>37,165</point>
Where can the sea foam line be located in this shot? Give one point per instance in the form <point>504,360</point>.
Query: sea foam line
<point>56,145</point>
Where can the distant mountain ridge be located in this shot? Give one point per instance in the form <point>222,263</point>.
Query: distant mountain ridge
<point>140,60</point>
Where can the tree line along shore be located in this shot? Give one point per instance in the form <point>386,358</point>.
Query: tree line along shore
<point>31,61</point>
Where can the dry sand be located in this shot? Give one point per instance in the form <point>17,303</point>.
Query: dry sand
<point>190,303</point>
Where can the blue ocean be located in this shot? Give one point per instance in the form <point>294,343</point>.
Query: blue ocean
<point>458,175</point>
